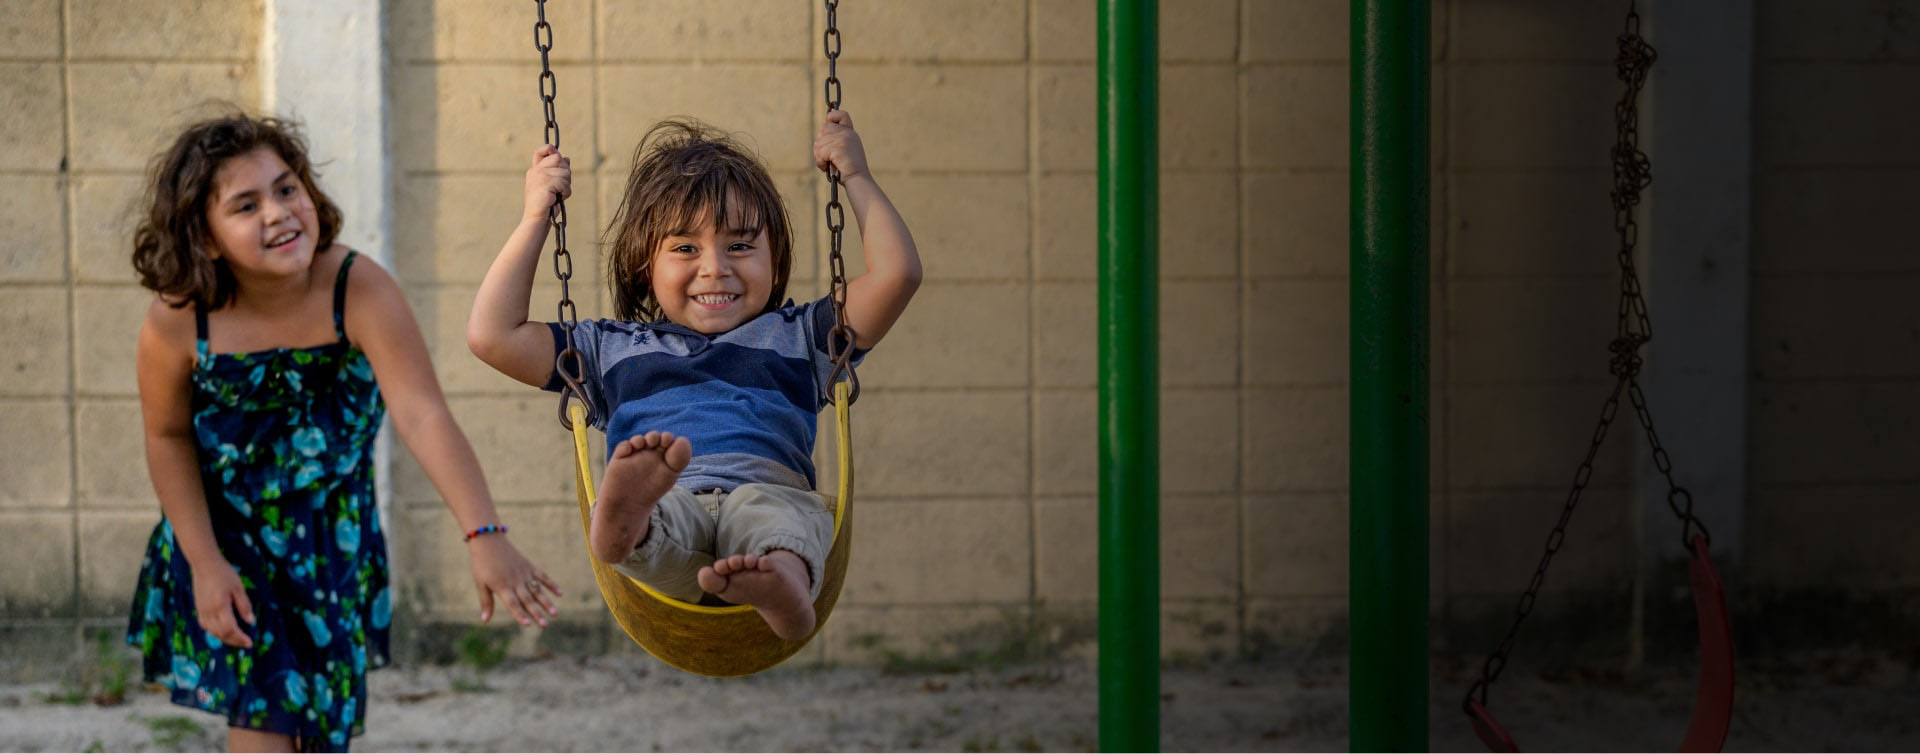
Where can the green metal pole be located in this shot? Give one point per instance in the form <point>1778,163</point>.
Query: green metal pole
<point>1388,361</point>
<point>1129,378</point>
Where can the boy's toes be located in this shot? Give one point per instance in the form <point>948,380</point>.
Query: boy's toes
<point>677,452</point>
<point>711,580</point>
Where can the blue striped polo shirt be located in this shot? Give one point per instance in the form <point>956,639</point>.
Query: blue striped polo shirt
<point>748,399</point>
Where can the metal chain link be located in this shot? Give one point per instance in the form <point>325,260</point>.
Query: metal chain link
<point>1632,173</point>
<point>841,340</point>
<point>570,363</point>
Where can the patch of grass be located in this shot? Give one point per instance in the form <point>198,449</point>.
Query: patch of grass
<point>103,681</point>
<point>1029,743</point>
<point>172,731</point>
<point>481,649</point>
<point>470,686</point>
<point>96,746</point>
<point>976,744</point>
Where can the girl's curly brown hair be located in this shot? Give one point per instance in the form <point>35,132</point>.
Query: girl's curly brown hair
<point>172,242</point>
<point>686,173</point>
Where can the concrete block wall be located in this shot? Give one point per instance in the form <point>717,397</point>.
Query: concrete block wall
<point>975,435</point>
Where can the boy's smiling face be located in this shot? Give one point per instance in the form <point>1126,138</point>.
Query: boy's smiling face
<point>712,280</point>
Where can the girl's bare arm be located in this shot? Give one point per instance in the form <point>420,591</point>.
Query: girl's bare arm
<point>498,330</point>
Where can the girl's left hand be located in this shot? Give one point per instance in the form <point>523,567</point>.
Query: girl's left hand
<point>838,145</point>
<point>501,572</point>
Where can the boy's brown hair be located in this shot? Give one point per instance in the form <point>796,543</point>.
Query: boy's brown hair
<point>172,242</point>
<point>686,173</point>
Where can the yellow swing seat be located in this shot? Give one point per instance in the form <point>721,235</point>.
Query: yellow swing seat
<point>724,641</point>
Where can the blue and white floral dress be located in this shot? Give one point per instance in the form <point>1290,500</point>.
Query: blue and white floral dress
<point>285,437</point>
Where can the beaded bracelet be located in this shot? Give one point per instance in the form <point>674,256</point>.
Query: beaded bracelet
<point>488,529</point>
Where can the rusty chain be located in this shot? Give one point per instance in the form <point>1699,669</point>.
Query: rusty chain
<point>570,364</point>
<point>1632,173</point>
<point>841,340</point>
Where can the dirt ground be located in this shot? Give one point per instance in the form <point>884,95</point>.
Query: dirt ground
<point>1836,701</point>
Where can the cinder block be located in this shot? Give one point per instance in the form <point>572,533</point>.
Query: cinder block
<point>937,117</point>
<point>108,333</point>
<point>442,315</point>
<point>1295,545</point>
<point>1065,211</point>
<point>1199,30</point>
<point>449,229</point>
<point>112,462</point>
<point>220,30</point>
<point>1296,440</point>
<point>1495,539</point>
<point>108,208</point>
<point>32,30</point>
<point>1066,338</point>
<point>1840,212</point>
<point>966,227</point>
<point>1065,449</point>
<point>939,553</point>
<point>1563,30</point>
<point>1297,626</point>
<point>805,194</point>
<point>677,31</point>
<point>1532,223</point>
<point>1857,30</point>
<point>112,546</point>
<point>1296,31</point>
<point>956,335</point>
<point>33,341</point>
<point>472,116</point>
<point>1296,333</point>
<point>938,30</point>
<point>524,452</point>
<point>1814,539</point>
<point>1199,225</point>
<point>470,30</point>
<point>1063,31</point>
<point>1522,330</point>
<point>1066,550</point>
<point>1534,436</point>
<point>1191,629</point>
<point>1199,333</point>
<point>1296,224</point>
<point>125,113</point>
<point>1199,548</point>
<point>35,464</point>
<point>32,244</point>
<point>881,634</point>
<point>33,122</point>
<point>1798,104</point>
<point>38,563</point>
<point>766,107</point>
<point>938,443</point>
<point>1848,432</point>
<point>1531,115</point>
<point>1197,103</point>
<point>1063,111</point>
<point>1833,327</point>
<point>1294,117</point>
<point>1199,440</point>
<point>430,569</point>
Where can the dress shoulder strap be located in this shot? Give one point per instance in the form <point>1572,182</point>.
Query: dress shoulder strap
<point>199,322</point>
<point>339,297</point>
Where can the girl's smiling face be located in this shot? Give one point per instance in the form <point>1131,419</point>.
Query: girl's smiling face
<point>261,217</point>
<point>712,280</point>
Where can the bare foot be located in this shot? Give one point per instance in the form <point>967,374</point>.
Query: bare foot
<point>642,469</point>
<point>775,584</point>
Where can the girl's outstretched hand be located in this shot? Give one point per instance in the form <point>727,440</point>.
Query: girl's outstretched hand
<point>217,596</point>
<point>501,573</point>
<point>837,144</point>
<point>549,180</point>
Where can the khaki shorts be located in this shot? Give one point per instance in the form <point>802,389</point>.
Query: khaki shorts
<point>689,530</point>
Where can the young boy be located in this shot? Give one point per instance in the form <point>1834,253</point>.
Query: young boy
<point>710,379</point>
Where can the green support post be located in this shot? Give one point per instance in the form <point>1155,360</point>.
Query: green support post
<point>1388,361</point>
<point>1129,377</point>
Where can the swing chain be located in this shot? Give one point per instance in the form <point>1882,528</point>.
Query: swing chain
<point>841,340</point>
<point>1632,173</point>
<point>570,364</point>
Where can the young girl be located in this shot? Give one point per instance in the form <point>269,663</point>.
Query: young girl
<point>709,383</point>
<point>262,364</point>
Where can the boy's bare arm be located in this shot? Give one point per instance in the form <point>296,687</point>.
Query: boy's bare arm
<point>498,331</point>
<point>879,295</point>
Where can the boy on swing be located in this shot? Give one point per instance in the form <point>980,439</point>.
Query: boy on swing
<point>709,381</point>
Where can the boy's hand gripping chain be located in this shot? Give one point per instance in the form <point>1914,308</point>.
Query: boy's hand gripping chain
<point>569,364</point>
<point>841,340</point>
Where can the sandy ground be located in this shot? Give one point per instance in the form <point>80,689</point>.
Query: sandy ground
<point>1841,701</point>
